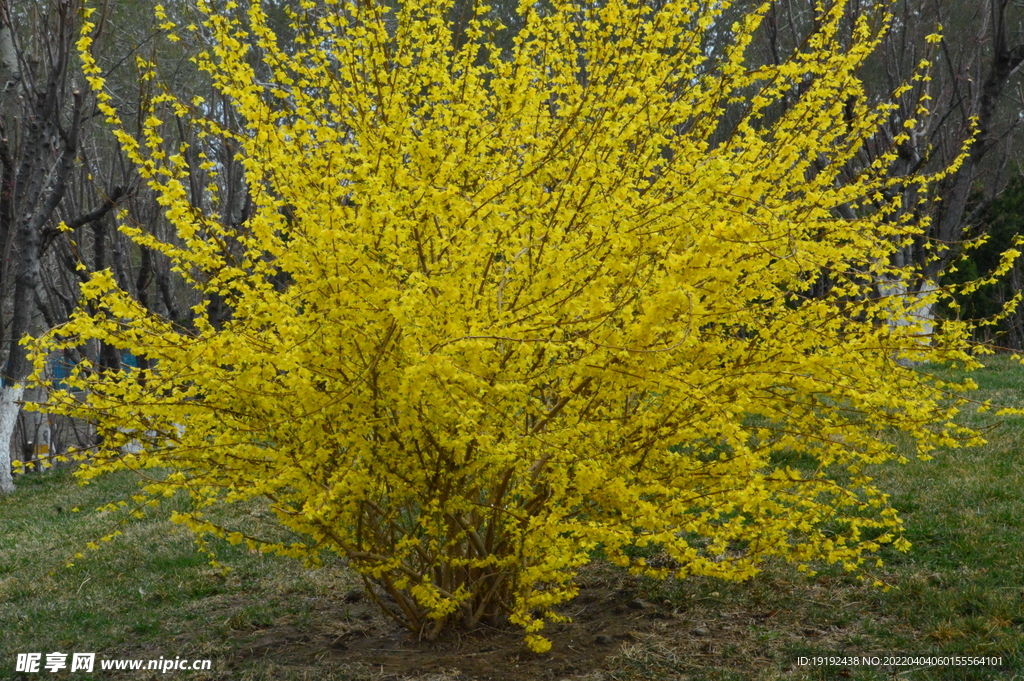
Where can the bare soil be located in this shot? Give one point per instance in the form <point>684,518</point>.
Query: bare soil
<point>619,631</point>
<point>602,621</point>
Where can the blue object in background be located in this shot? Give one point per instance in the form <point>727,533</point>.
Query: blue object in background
<point>60,368</point>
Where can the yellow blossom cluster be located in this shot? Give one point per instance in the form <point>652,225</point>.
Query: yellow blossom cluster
<point>538,303</point>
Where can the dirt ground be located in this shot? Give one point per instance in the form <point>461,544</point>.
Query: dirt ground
<point>618,631</point>
<point>603,620</point>
<point>622,629</point>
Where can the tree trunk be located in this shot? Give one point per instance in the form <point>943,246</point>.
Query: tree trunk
<point>10,405</point>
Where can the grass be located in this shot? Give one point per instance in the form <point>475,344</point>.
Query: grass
<point>959,591</point>
<point>148,594</point>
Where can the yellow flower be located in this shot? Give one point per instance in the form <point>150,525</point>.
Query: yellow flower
<point>491,311</point>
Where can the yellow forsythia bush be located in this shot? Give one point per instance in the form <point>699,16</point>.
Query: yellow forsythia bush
<point>536,304</point>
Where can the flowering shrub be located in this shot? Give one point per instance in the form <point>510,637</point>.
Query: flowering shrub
<point>491,313</point>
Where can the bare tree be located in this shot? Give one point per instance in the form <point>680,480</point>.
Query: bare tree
<point>41,127</point>
<point>973,102</point>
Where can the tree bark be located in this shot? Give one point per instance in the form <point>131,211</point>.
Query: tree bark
<point>10,397</point>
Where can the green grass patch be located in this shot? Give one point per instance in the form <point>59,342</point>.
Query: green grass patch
<point>146,594</point>
<point>958,591</point>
